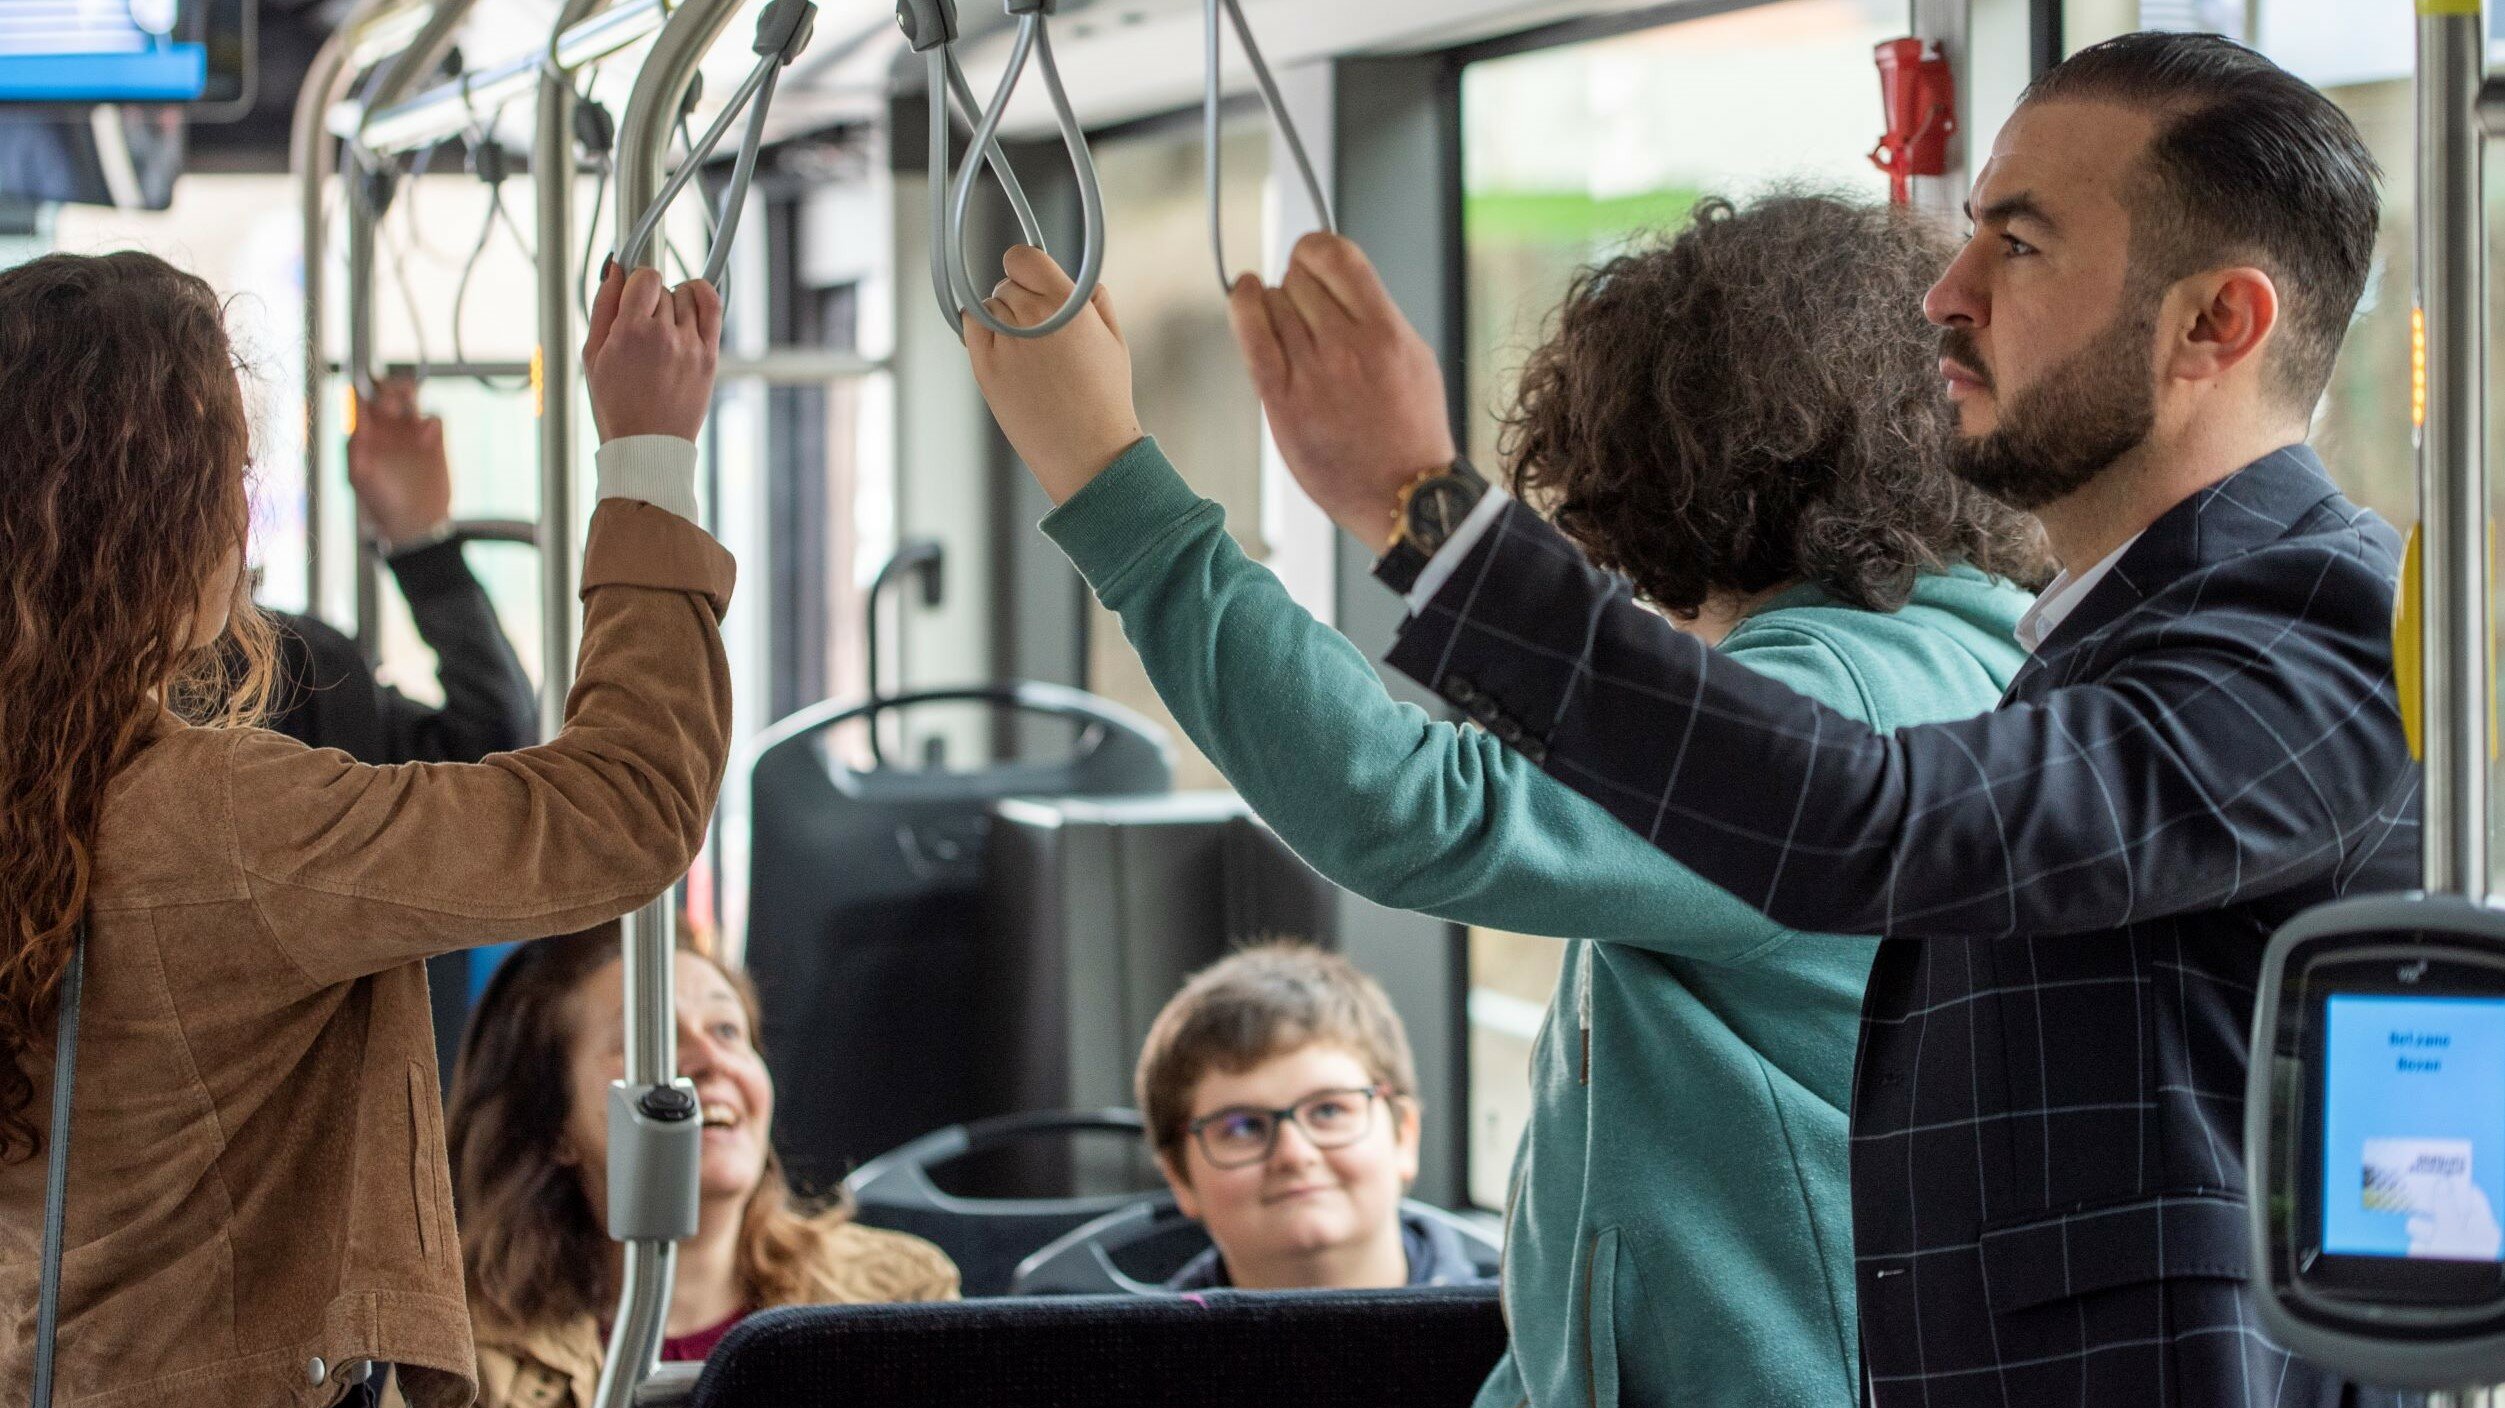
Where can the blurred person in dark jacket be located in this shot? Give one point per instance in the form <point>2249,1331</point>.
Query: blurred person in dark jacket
<point>328,696</point>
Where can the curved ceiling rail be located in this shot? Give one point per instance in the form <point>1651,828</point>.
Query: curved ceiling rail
<point>445,109</point>
<point>782,32</point>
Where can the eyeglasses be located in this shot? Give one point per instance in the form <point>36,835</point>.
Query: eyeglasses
<point>1242,1135</point>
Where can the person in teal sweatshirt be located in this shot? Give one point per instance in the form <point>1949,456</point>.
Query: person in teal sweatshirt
<point>1746,422</point>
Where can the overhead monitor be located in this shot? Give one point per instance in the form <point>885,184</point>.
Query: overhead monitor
<point>125,51</point>
<point>2375,1138</point>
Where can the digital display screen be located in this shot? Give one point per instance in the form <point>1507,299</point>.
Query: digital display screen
<point>97,51</point>
<point>2413,1127</point>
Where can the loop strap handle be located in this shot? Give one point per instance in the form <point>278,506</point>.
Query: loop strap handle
<point>1210,98</point>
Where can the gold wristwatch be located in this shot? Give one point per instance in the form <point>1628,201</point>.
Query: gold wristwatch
<point>1433,507</point>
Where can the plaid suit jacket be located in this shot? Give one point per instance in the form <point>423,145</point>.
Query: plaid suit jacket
<point>2075,890</point>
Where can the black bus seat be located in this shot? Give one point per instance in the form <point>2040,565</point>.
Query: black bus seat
<point>989,1237</point>
<point>866,929</point>
<point>1427,1348</point>
<point>1102,907</point>
<point>1134,1250</point>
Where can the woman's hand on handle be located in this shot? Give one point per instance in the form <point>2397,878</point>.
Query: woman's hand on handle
<point>650,357</point>
<point>1064,401</point>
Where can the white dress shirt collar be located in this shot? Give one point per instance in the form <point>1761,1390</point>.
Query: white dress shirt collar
<point>2061,598</point>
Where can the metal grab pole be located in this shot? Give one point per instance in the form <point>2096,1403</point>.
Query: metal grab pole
<point>2452,466</point>
<point>362,220</point>
<point>310,154</point>
<point>404,69</point>
<point>552,174</point>
<point>652,1191</point>
<point>313,160</point>
<point>443,22</point>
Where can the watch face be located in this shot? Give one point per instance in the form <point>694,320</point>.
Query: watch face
<point>1437,509</point>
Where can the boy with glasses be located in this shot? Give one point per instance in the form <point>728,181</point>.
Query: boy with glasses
<point>1280,1100</point>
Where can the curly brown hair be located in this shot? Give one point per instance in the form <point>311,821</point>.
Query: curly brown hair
<point>1757,402</point>
<point>123,451</point>
<point>534,1253</point>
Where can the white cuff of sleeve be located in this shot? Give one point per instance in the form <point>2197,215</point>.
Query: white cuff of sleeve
<point>658,469</point>
<point>1440,568</point>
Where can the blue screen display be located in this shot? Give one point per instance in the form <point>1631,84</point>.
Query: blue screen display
<point>68,51</point>
<point>2413,1127</point>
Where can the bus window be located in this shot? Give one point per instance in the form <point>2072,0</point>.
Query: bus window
<point>1569,154</point>
<point>2362,59</point>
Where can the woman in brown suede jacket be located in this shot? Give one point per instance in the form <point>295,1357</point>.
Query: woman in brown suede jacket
<point>258,1199</point>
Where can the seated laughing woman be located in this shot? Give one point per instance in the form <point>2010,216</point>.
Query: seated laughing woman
<point>530,1146</point>
<point>1745,420</point>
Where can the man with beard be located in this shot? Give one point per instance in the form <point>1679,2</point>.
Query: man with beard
<point>2074,890</point>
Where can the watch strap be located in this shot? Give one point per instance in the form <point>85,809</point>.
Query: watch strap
<point>1401,565</point>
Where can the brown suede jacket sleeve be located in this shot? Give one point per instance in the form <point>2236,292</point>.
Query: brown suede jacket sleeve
<point>355,869</point>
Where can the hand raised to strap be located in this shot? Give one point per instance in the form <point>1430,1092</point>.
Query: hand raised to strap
<point>649,359</point>
<point>1354,396</point>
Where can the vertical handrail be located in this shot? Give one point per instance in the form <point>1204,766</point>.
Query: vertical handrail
<point>553,172</point>
<point>2452,465</point>
<point>399,74</point>
<point>2452,468</point>
<point>364,188</point>
<point>667,1166</point>
<point>311,157</point>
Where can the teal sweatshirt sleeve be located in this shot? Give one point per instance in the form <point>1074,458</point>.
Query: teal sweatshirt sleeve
<point>1387,801</point>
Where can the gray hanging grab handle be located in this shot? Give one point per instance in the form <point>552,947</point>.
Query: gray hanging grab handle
<point>930,28</point>
<point>782,32</point>
<point>1277,106</point>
